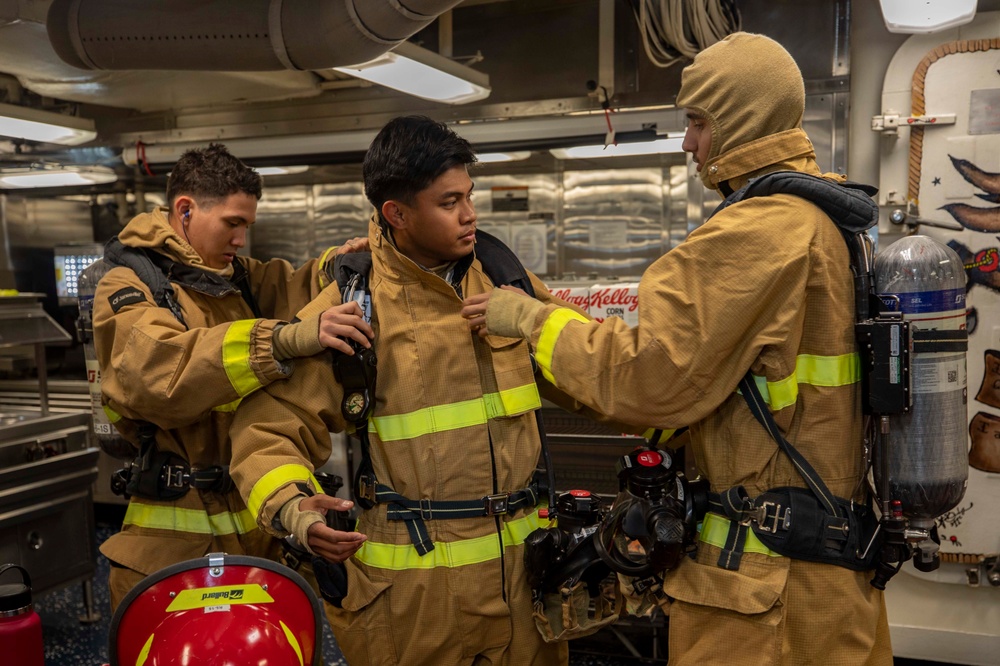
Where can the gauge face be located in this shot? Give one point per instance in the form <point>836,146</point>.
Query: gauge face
<point>355,403</point>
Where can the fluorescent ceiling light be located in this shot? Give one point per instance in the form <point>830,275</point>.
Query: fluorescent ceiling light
<point>55,177</point>
<point>671,144</point>
<point>22,122</point>
<point>280,170</point>
<point>510,156</point>
<point>417,71</point>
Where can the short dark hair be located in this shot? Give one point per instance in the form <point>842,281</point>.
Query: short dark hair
<point>211,174</point>
<point>407,155</point>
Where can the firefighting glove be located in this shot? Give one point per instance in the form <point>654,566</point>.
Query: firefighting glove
<point>298,522</point>
<point>297,340</point>
<point>512,315</point>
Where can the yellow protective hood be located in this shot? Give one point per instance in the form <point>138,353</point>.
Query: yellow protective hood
<point>748,88</point>
<point>153,230</point>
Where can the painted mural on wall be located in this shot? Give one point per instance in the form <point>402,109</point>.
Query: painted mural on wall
<point>954,177</point>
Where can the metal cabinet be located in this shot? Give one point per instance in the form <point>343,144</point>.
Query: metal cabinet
<point>47,470</point>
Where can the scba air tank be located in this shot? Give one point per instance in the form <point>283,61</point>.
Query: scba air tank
<point>107,437</point>
<point>927,447</point>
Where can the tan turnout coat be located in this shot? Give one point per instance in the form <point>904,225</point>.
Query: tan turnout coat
<point>765,284</point>
<point>188,380</point>
<point>453,421</point>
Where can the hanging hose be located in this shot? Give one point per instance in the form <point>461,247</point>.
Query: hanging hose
<point>672,30</point>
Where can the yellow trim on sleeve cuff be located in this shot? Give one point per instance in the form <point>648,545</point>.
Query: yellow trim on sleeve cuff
<point>276,479</point>
<point>551,329</point>
<point>236,357</point>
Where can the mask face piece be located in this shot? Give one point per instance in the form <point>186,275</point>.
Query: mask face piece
<point>652,522</point>
<point>567,577</point>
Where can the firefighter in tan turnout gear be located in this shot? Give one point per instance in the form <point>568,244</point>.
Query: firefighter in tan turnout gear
<point>453,433</point>
<point>765,284</point>
<point>178,356</point>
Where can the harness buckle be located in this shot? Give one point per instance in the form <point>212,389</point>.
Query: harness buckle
<point>769,521</point>
<point>496,505</point>
<point>366,489</point>
<point>175,476</point>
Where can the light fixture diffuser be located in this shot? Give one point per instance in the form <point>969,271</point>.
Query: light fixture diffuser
<point>281,170</point>
<point>55,177</point>
<point>508,156</point>
<point>417,71</point>
<point>22,122</point>
<point>671,144</point>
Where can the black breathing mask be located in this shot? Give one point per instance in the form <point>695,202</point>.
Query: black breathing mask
<point>654,518</point>
<point>561,555</point>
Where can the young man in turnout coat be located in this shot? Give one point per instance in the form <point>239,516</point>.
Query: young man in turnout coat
<point>453,421</point>
<point>187,378</point>
<point>764,284</point>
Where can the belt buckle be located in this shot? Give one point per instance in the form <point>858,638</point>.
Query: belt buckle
<point>770,523</point>
<point>496,505</point>
<point>366,489</point>
<point>174,476</point>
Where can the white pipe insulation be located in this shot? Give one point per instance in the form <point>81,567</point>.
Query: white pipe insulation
<point>233,35</point>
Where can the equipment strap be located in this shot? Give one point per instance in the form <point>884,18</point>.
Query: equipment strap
<point>415,512</point>
<point>932,341</point>
<point>759,409</point>
<point>736,503</point>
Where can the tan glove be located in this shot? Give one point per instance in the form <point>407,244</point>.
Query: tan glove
<point>298,522</point>
<point>511,314</point>
<point>298,339</point>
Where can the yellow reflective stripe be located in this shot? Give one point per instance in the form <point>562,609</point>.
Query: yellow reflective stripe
<point>294,642</point>
<point>449,553</point>
<point>144,652</point>
<point>665,435</point>
<point>236,357</point>
<point>276,479</point>
<point>715,531</point>
<point>442,418</point>
<point>519,400</point>
<point>828,370</point>
<point>196,521</point>
<point>553,326</point>
<point>113,416</point>
<point>229,406</point>
<point>324,279</point>
<point>813,370</point>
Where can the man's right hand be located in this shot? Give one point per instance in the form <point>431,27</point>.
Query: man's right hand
<point>344,321</point>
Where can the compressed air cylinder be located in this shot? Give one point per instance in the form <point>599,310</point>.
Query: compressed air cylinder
<point>107,436</point>
<point>927,448</point>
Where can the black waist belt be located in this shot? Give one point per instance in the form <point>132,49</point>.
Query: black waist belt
<point>215,478</point>
<point>794,523</point>
<point>167,477</point>
<point>415,512</point>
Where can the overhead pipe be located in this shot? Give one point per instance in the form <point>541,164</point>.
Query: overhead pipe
<point>233,35</point>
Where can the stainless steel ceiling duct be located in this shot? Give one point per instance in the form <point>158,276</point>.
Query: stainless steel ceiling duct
<point>233,35</point>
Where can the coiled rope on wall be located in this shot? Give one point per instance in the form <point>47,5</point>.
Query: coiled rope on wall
<point>918,106</point>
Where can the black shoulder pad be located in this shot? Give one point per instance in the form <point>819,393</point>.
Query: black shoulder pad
<point>346,266</point>
<point>849,205</point>
<point>500,263</point>
<point>145,265</point>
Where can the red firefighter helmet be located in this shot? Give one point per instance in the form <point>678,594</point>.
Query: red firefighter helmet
<point>219,610</point>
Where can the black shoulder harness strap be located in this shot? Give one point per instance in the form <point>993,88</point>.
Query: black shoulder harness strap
<point>357,375</point>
